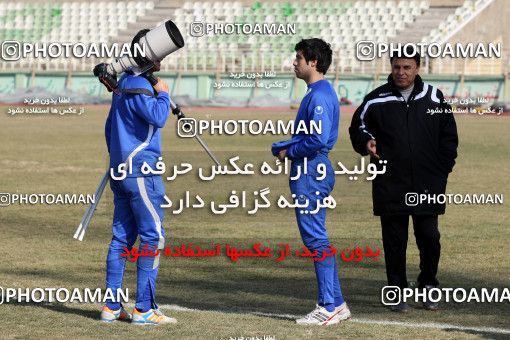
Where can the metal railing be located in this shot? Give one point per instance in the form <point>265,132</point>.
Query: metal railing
<point>218,61</point>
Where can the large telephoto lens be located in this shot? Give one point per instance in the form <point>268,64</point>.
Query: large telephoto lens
<point>157,44</point>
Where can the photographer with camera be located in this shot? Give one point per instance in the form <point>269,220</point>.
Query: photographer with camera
<point>133,137</point>
<point>138,111</point>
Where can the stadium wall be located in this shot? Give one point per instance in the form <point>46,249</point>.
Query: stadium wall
<point>204,86</point>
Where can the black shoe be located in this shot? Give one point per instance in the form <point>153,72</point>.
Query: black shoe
<point>429,305</point>
<point>402,307</point>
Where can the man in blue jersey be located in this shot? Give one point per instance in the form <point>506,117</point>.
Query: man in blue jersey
<point>137,114</point>
<point>320,104</point>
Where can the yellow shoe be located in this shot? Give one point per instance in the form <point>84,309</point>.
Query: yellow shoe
<point>151,317</point>
<point>108,315</point>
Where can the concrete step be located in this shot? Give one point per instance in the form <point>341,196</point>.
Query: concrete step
<point>422,26</point>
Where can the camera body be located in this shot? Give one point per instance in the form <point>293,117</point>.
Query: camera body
<point>157,44</point>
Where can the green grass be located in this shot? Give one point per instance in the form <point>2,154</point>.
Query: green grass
<point>67,154</point>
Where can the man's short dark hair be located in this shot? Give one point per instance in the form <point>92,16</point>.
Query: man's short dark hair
<point>316,49</point>
<point>406,52</point>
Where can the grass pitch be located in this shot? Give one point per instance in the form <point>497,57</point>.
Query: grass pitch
<point>53,154</point>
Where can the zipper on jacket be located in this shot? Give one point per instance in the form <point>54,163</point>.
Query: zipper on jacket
<point>409,140</point>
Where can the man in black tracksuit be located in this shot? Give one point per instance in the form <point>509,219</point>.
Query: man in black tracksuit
<point>393,124</point>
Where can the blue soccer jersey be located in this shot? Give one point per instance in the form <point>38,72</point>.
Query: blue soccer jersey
<point>320,104</point>
<point>132,127</point>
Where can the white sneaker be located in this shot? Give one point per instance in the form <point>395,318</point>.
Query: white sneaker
<point>151,317</point>
<point>343,312</point>
<point>321,317</point>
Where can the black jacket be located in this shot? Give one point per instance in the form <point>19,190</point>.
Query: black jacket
<point>420,147</point>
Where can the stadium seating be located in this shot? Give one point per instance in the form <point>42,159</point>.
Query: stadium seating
<point>453,21</point>
<point>68,21</point>
<point>342,23</point>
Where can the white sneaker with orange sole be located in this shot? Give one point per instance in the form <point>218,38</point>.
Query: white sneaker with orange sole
<point>151,317</point>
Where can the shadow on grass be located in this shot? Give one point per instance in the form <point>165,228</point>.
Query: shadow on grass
<point>61,308</point>
<point>485,335</point>
<point>238,291</point>
<point>279,292</point>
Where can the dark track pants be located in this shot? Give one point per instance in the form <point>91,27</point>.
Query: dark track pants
<point>395,235</point>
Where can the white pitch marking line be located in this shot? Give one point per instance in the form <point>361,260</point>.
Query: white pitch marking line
<point>431,325</point>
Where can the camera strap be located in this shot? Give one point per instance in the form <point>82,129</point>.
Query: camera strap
<point>146,92</point>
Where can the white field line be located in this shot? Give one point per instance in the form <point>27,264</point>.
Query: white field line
<point>431,325</point>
